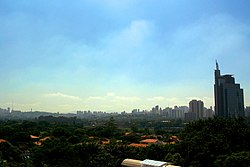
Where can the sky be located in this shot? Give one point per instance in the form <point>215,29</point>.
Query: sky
<point>113,56</point>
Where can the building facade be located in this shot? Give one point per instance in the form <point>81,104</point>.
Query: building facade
<point>247,111</point>
<point>229,100</point>
<point>208,112</point>
<point>197,107</point>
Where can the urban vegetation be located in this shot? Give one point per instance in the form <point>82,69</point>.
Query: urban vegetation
<point>105,142</point>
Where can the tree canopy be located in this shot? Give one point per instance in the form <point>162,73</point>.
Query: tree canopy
<point>212,142</point>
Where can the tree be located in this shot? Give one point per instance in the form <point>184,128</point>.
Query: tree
<point>60,132</point>
<point>10,154</point>
<point>205,140</point>
<point>241,159</point>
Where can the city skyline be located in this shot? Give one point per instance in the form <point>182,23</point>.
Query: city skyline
<point>113,55</point>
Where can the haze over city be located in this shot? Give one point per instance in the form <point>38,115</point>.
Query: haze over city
<point>114,55</point>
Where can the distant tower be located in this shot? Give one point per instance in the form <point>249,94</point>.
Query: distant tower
<point>197,107</point>
<point>228,95</point>
<point>12,108</point>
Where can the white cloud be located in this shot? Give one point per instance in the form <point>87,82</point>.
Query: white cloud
<point>218,36</point>
<point>61,95</point>
<point>137,32</point>
<point>132,38</point>
<point>116,5</point>
<point>110,97</point>
<point>156,98</point>
<point>193,98</point>
<point>110,94</point>
<point>96,98</point>
<point>127,98</point>
<point>208,101</point>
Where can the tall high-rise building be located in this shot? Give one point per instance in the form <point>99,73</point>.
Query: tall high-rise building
<point>228,95</point>
<point>197,107</point>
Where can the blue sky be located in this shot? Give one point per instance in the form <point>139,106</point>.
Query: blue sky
<point>114,55</point>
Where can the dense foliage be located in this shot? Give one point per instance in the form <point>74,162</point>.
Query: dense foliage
<point>216,142</point>
<point>212,142</point>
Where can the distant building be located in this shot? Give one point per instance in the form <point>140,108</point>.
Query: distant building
<point>208,112</point>
<point>145,163</point>
<point>5,111</point>
<point>190,116</point>
<point>3,141</point>
<point>166,112</point>
<point>197,106</point>
<point>156,110</point>
<point>79,112</point>
<point>247,111</point>
<point>180,111</point>
<point>150,141</point>
<point>138,145</point>
<point>228,95</point>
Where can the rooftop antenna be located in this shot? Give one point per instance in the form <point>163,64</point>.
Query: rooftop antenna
<point>217,66</point>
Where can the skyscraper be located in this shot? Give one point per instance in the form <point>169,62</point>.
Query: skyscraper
<point>228,95</point>
<point>197,107</point>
